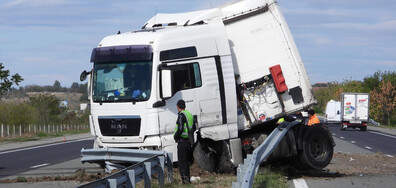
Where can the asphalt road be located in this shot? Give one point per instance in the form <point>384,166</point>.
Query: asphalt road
<point>374,141</point>
<point>14,162</point>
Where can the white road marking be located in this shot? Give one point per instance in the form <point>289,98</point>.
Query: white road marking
<point>41,146</point>
<point>368,147</point>
<point>383,134</point>
<point>38,166</point>
<point>334,134</point>
<point>391,156</point>
<point>300,183</point>
<point>342,137</point>
<point>353,142</point>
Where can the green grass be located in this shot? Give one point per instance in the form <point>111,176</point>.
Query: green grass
<point>269,178</point>
<point>264,178</point>
<point>21,179</point>
<point>213,181</point>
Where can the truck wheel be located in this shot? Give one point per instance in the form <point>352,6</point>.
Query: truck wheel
<point>342,128</point>
<point>317,149</point>
<point>225,164</point>
<point>205,159</point>
<point>364,128</point>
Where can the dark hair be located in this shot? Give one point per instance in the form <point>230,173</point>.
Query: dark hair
<point>311,112</point>
<point>181,104</point>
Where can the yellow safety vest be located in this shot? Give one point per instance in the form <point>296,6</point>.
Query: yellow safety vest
<point>190,120</point>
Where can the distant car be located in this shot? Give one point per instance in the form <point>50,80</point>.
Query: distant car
<point>333,112</point>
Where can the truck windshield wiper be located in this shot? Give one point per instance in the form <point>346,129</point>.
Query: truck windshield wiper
<point>129,100</point>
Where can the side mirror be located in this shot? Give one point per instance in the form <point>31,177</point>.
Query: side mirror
<point>166,84</point>
<point>84,75</point>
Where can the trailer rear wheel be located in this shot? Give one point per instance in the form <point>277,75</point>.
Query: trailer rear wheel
<point>342,128</point>
<point>317,148</point>
<point>364,128</point>
<point>205,158</point>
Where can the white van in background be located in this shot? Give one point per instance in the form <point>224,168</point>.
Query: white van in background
<point>333,112</point>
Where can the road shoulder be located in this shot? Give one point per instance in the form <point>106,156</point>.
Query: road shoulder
<point>18,145</point>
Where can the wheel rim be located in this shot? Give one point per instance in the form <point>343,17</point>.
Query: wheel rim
<point>317,147</point>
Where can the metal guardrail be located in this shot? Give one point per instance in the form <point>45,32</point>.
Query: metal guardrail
<point>374,122</point>
<point>147,163</point>
<point>247,171</point>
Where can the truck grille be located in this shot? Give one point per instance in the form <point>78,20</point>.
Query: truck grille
<point>119,126</point>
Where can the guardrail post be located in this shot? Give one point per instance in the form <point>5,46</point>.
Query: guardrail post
<point>161,170</point>
<point>112,183</point>
<point>132,179</point>
<point>147,174</point>
<point>239,173</point>
<point>169,164</point>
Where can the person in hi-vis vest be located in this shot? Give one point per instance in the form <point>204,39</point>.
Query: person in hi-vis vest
<point>184,119</point>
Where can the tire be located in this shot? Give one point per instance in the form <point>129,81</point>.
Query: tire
<point>317,149</point>
<point>342,127</point>
<point>364,128</point>
<point>225,165</point>
<point>206,159</point>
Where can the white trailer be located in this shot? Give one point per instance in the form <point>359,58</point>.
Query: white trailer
<point>333,112</point>
<point>236,66</point>
<point>355,110</point>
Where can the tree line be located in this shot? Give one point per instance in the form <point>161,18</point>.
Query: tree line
<point>382,89</point>
<point>43,109</point>
<point>56,87</point>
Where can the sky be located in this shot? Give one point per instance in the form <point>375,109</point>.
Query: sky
<point>48,40</point>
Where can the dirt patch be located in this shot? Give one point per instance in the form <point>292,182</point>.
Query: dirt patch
<point>80,176</point>
<point>206,178</point>
<point>341,165</point>
<point>351,165</point>
<point>360,164</point>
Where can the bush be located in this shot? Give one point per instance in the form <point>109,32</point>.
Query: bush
<point>18,114</point>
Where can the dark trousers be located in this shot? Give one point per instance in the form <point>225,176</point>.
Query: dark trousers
<point>183,154</point>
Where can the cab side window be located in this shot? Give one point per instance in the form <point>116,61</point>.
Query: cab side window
<point>186,76</point>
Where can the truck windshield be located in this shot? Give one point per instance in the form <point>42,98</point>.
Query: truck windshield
<point>122,82</point>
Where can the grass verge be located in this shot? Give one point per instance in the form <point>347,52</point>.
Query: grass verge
<point>265,178</point>
<point>270,178</point>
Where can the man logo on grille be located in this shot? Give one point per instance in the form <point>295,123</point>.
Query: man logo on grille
<point>119,127</point>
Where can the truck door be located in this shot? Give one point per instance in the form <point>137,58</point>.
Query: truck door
<point>208,96</point>
<point>362,107</point>
<point>197,83</point>
<point>349,107</point>
<point>186,79</point>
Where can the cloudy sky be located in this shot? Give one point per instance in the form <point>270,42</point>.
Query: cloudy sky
<point>48,40</point>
